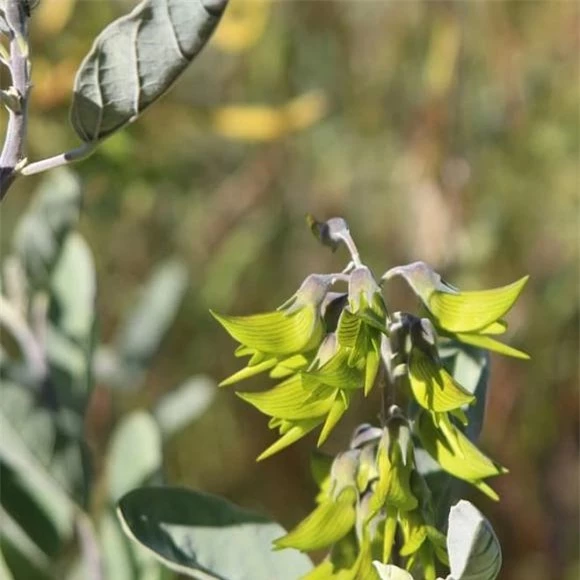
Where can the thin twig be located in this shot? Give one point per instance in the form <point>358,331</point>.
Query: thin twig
<point>13,152</point>
<point>59,160</point>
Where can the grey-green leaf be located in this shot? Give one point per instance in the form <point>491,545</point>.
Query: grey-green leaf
<point>141,334</point>
<point>35,478</point>
<point>43,228</point>
<point>4,571</point>
<point>136,59</point>
<point>470,368</point>
<point>390,572</point>
<point>474,550</point>
<point>199,534</point>
<point>74,288</point>
<point>134,454</point>
<point>179,407</point>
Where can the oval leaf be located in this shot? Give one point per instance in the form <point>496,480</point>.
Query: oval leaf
<point>193,532</point>
<point>136,59</point>
<point>474,550</point>
<point>188,402</point>
<point>135,453</point>
<point>390,572</point>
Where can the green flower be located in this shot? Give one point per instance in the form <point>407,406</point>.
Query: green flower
<point>455,452</point>
<point>470,317</point>
<point>318,395</point>
<point>273,339</point>
<point>361,325</point>
<point>335,515</point>
<point>410,352</point>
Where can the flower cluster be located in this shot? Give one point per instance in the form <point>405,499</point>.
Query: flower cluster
<point>324,346</point>
<point>366,494</point>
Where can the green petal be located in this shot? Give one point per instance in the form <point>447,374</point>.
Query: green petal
<point>414,532</point>
<point>439,543</point>
<point>470,311</point>
<point>275,332</point>
<point>349,326</point>
<point>296,431</point>
<point>498,327</point>
<point>292,400</point>
<point>427,561</point>
<point>393,487</point>
<point>455,453</point>
<point>335,373</point>
<point>367,467</point>
<point>328,523</point>
<point>322,572</point>
<point>248,371</point>
<point>320,465</point>
<point>389,532</point>
<point>243,350</point>
<point>289,366</point>
<point>372,364</point>
<point>491,344</point>
<point>433,387</point>
<point>339,407</point>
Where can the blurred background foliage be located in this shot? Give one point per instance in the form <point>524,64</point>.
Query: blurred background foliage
<point>442,131</point>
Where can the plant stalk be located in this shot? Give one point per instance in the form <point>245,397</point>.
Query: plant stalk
<point>13,151</point>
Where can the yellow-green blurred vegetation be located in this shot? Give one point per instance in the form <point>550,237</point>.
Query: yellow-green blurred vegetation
<point>442,131</point>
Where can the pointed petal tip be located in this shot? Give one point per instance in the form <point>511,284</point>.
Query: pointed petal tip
<point>265,454</point>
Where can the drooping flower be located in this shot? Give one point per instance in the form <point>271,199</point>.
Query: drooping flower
<point>335,514</point>
<point>455,452</point>
<point>317,395</point>
<point>362,323</point>
<point>273,340</point>
<point>469,317</point>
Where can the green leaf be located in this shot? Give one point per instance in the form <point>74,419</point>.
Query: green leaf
<point>328,523</point>
<point>134,453</point>
<point>41,231</point>
<point>471,311</point>
<point>73,290</point>
<point>142,332</point>
<point>390,572</point>
<point>35,479</point>
<point>195,533</point>
<point>4,571</point>
<point>433,388</point>
<point>474,550</point>
<point>13,533</point>
<point>456,454</point>
<point>179,407</point>
<point>115,549</point>
<point>292,400</point>
<point>136,59</point>
<point>470,368</point>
